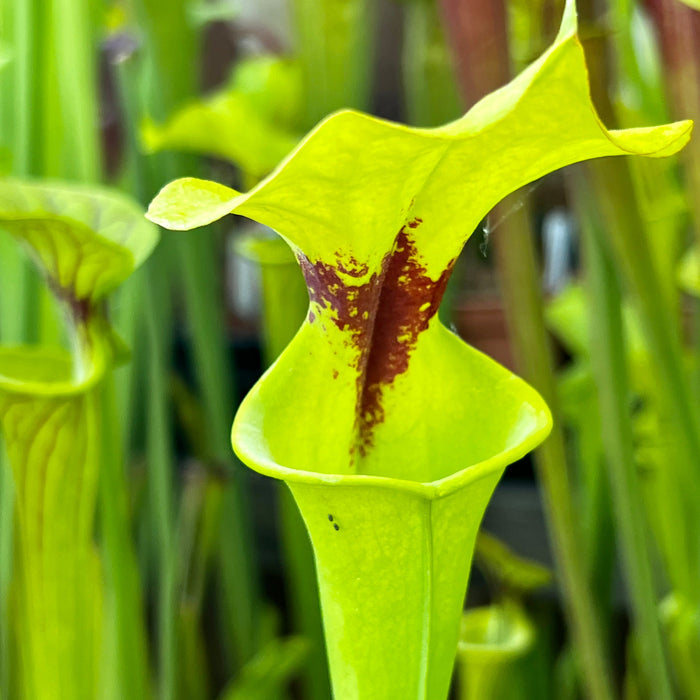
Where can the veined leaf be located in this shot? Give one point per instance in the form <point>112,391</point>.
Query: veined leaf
<point>50,424</point>
<point>87,240</point>
<point>389,430</point>
<point>51,432</point>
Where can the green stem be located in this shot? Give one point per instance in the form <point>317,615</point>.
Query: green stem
<point>629,245</point>
<point>14,22</point>
<point>242,618</point>
<point>129,676</point>
<point>161,461</point>
<point>678,27</point>
<point>197,263</point>
<point>70,75</point>
<point>156,320</point>
<point>521,290</point>
<point>7,29</point>
<point>173,50</point>
<point>195,535</point>
<point>6,558</point>
<point>129,323</point>
<point>430,92</point>
<point>595,508</point>
<point>334,45</point>
<point>29,30</point>
<point>610,370</point>
<point>647,93</point>
<point>202,291</point>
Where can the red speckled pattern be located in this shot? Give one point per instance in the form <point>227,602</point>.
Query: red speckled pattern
<point>382,317</point>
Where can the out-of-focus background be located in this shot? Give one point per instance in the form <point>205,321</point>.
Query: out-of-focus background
<point>136,93</point>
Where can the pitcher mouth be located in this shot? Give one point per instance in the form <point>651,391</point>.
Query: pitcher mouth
<point>44,371</point>
<point>431,489</point>
<point>252,448</point>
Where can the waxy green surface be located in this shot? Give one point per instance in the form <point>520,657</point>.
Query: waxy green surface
<point>52,443</point>
<point>249,122</point>
<point>85,241</point>
<point>389,430</point>
<point>491,642</point>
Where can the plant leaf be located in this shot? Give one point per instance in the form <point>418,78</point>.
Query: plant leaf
<point>87,240</point>
<point>50,427</point>
<point>515,575</point>
<point>269,671</point>
<point>389,430</point>
<point>480,637</point>
<point>273,86</point>
<point>399,552</point>
<point>377,212</point>
<point>492,641</point>
<point>247,123</point>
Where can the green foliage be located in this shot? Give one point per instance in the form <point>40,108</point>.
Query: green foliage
<point>251,122</point>
<point>390,432</point>
<point>335,46</point>
<point>492,641</point>
<point>428,74</point>
<point>85,241</point>
<point>266,675</point>
<point>52,442</point>
<point>383,423</point>
<point>689,273</point>
<point>513,575</point>
<point>495,642</point>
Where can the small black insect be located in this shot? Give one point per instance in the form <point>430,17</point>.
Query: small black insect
<point>330,517</point>
<point>336,526</point>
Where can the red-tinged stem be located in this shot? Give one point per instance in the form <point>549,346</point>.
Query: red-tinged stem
<point>678,28</point>
<point>476,32</point>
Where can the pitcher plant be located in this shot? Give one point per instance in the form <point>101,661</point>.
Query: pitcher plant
<point>389,430</point>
